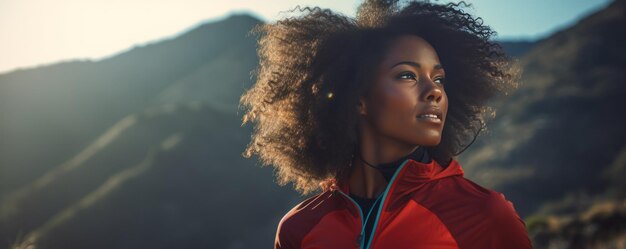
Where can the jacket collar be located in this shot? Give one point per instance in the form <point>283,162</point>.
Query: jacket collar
<point>412,174</point>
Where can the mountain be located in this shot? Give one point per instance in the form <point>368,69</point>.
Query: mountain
<point>516,48</point>
<point>54,111</point>
<point>140,149</point>
<point>173,177</point>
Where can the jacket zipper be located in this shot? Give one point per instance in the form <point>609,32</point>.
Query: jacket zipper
<point>359,241</point>
<point>360,237</point>
<point>382,204</point>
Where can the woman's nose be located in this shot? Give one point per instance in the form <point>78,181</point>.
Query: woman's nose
<point>430,90</point>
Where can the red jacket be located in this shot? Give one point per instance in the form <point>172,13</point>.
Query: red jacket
<point>424,206</point>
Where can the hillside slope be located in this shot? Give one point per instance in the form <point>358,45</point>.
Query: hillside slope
<point>557,136</point>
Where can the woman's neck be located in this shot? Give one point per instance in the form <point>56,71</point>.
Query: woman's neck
<point>375,148</point>
<point>366,181</point>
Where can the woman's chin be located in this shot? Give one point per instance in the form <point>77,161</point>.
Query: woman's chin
<point>429,142</point>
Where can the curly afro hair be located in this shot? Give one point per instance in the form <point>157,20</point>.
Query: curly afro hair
<point>314,67</point>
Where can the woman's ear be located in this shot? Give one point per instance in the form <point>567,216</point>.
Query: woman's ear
<point>361,107</point>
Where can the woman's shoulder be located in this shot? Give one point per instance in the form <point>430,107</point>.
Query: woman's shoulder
<point>508,229</point>
<point>476,199</point>
<point>491,215</point>
<point>489,196</point>
<point>305,207</point>
<point>488,199</point>
<point>301,218</point>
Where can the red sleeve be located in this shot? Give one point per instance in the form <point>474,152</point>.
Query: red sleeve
<point>283,239</point>
<point>508,229</point>
<point>296,223</point>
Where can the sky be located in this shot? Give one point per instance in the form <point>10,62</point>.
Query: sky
<point>43,32</point>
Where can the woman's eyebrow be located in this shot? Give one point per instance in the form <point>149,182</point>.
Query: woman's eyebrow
<point>416,65</point>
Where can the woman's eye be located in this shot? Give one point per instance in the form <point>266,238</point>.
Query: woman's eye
<point>406,75</point>
<point>440,80</point>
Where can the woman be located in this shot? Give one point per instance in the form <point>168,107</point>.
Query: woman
<point>372,111</point>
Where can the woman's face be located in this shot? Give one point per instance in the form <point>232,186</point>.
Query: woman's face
<point>409,82</point>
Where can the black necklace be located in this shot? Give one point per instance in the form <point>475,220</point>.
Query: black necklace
<point>368,164</point>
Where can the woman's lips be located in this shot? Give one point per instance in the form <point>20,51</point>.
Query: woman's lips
<point>431,118</point>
